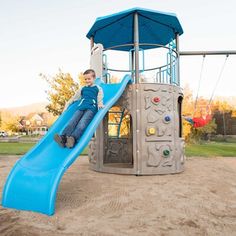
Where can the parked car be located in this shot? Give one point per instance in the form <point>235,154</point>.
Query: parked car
<point>3,134</point>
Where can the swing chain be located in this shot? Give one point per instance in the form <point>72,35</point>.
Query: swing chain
<point>218,80</point>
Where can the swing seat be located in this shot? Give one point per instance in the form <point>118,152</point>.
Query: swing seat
<point>201,121</point>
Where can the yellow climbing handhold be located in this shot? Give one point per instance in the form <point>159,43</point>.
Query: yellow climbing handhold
<point>151,131</point>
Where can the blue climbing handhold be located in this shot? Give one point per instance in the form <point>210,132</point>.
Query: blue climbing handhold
<point>167,118</point>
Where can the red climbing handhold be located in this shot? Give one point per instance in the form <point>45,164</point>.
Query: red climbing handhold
<point>156,99</point>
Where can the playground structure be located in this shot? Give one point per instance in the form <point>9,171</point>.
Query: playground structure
<point>153,144</point>
<point>150,109</point>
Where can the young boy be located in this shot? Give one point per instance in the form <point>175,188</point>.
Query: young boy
<point>91,96</point>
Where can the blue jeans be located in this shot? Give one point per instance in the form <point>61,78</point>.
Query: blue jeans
<point>78,123</point>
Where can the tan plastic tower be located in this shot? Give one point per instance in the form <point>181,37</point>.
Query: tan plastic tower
<point>154,143</point>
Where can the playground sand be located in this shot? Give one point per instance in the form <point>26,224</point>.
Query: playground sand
<point>199,201</point>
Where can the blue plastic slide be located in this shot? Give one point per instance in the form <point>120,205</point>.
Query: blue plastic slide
<point>33,182</point>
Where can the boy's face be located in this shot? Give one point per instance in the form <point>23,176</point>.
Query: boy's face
<point>89,79</point>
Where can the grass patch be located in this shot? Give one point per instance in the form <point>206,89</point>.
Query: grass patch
<point>224,149</point>
<point>15,148</point>
<point>22,148</point>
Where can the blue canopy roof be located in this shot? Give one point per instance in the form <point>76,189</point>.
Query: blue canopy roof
<point>155,27</point>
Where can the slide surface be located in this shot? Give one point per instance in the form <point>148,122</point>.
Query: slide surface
<point>32,184</point>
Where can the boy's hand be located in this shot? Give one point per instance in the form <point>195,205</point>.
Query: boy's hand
<point>100,106</point>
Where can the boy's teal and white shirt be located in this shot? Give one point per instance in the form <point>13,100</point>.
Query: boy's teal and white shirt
<point>77,96</point>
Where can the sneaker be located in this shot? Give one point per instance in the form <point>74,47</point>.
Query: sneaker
<point>60,139</point>
<point>70,141</point>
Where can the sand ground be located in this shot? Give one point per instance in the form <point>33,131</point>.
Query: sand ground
<point>200,201</point>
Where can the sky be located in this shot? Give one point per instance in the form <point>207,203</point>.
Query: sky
<point>43,36</point>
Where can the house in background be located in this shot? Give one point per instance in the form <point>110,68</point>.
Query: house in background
<point>34,123</point>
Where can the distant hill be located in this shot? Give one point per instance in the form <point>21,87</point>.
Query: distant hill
<point>25,110</point>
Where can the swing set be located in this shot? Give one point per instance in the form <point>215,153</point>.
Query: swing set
<point>202,120</point>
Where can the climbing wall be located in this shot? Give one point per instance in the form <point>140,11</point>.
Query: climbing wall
<point>156,144</point>
<point>161,146</point>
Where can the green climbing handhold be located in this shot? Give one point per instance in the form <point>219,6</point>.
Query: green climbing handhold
<point>166,153</point>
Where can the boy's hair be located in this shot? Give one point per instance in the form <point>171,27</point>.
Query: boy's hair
<point>90,71</point>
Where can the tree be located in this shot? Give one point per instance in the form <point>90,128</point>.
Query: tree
<point>62,88</point>
<point>9,122</point>
<point>222,106</point>
<point>188,110</point>
<point>81,79</point>
<point>188,103</point>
